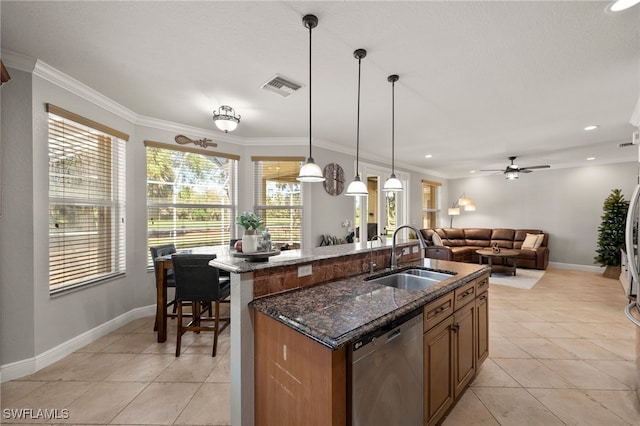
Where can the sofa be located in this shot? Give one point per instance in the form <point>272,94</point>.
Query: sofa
<point>460,245</point>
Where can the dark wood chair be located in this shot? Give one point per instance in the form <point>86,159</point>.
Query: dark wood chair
<point>156,252</point>
<point>199,284</point>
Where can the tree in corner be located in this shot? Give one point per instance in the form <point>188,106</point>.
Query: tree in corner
<point>611,233</point>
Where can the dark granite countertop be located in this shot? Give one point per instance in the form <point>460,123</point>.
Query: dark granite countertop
<point>338,312</point>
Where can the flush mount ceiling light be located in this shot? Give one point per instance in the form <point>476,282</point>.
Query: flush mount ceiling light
<point>393,184</point>
<point>226,118</point>
<point>357,187</point>
<point>310,171</point>
<point>592,127</point>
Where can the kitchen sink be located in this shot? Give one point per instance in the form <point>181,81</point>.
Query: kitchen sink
<point>412,279</point>
<point>428,274</point>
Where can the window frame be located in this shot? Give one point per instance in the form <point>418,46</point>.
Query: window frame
<point>91,247</point>
<point>231,208</point>
<point>261,208</point>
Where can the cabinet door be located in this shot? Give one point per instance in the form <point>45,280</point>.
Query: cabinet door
<point>464,329</point>
<point>438,371</point>
<point>482,312</point>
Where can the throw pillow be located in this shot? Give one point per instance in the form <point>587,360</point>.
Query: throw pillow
<point>530,242</point>
<point>437,241</point>
<point>539,239</point>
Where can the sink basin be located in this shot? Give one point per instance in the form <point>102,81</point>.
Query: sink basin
<point>412,279</point>
<point>407,282</point>
<point>440,276</point>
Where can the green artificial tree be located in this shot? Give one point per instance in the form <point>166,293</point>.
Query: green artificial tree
<point>611,233</point>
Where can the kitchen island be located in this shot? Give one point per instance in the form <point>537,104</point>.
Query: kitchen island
<point>328,304</point>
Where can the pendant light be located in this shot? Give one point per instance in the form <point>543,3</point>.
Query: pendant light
<point>357,187</point>
<point>393,184</point>
<point>310,171</point>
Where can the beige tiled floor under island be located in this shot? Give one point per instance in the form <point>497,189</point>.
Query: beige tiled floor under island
<point>561,353</point>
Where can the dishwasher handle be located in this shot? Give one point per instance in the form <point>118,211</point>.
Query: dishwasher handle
<point>629,315</point>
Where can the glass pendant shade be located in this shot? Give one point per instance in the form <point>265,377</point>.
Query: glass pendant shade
<point>393,184</point>
<point>357,188</point>
<point>310,172</point>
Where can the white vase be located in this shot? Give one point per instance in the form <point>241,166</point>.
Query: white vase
<point>249,242</point>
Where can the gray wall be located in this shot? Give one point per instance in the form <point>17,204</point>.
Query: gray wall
<point>567,203</point>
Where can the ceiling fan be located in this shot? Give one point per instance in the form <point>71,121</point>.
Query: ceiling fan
<point>513,170</point>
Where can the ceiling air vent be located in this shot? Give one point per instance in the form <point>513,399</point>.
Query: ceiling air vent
<point>281,86</point>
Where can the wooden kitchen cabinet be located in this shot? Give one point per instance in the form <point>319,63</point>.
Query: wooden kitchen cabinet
<point>438,371</point>
<point>298,381</point>
<point>455,344</point>
<point>482,323</point>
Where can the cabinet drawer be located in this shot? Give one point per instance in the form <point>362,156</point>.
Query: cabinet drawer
<point>436,311</point>
<point>464,295</point>
<point>482,284</point>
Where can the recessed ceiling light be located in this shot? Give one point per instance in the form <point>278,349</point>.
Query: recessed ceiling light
<point>472,171</point>
<point>592,127</point>
<point>428,156</point>
<point>591,158</point>
<point>619,5</point>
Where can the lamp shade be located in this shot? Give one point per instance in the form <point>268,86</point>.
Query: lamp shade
<point>453,211</point>
<point>310,172</point>
<point>393,184</point>
<point>470,207</point>
<point>357,188</point>
<point>511,175</point>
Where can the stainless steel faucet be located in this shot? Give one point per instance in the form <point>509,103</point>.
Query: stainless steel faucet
<point>372,264</point>
<point>394,256</point>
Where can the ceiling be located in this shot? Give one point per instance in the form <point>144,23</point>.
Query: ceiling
<point>479,81</point>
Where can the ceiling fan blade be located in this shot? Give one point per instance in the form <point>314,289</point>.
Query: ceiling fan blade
<point>491,170</point>
<point>524,171</point>
<point>546,166</point>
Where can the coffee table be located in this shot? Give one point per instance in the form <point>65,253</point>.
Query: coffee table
<point>502,254</point>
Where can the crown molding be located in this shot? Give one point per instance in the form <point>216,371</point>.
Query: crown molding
<point>60,79</point>
<point>18,61</point>
<point>53,75</point>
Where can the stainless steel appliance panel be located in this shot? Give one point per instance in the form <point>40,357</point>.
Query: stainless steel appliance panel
<point>387,375</point>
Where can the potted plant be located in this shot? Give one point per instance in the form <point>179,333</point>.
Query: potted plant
<point>251,223</point>
<point>611,233</point>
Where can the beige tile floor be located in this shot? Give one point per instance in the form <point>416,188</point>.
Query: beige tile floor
<point>562,353</point>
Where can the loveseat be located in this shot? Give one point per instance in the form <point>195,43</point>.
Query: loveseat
<point>460,244</point>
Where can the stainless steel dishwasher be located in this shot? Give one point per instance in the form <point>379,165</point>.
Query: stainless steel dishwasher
<point>386,381</point>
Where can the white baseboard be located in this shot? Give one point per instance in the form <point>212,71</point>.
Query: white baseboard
<point>575,267</point>
<point>28,366</point>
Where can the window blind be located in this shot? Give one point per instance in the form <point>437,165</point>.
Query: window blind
<point>86,203</point>
<point>278,198</point>
<point>191,197</point>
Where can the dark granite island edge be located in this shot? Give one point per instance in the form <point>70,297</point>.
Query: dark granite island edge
<point>338,312</point>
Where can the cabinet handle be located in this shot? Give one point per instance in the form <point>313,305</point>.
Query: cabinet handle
<point>466,293</point>
<point>483,297</point>
<point>455,328</point>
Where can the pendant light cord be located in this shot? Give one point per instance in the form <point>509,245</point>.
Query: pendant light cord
<point>393,126</point>
<point>358,123</point>
<point>310,28</point>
